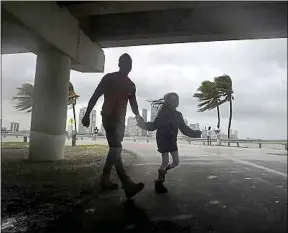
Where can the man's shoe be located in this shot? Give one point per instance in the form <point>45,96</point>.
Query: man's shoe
<point>107,184</point>
<point>131,189</point>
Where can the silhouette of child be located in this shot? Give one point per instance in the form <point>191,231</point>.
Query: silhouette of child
<point>167,123</point>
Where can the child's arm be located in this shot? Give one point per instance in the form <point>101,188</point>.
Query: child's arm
<point>186,130</point>
<point>150,126</point>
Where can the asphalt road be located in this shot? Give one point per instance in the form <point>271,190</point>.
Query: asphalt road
<point>214,189</point>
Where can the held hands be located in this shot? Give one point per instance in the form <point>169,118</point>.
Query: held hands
<point>140,121</point>
<point>86,121</point>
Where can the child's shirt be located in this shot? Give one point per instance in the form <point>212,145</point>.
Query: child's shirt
<point>167,125</point>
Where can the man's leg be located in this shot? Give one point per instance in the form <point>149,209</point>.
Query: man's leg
<point>106,183</point>
<point>129,186</point>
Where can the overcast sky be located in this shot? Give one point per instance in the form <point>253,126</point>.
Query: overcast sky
<point>258,69</point>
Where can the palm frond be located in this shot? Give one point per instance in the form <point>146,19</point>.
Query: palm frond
<point>24,97</point>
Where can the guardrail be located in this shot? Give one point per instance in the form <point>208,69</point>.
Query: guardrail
<point>252,141</point>
<point>204,141</point>
<point>189,140</point>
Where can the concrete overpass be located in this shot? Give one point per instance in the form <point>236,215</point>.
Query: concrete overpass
<point>116,24</point>
<point>71,35</point>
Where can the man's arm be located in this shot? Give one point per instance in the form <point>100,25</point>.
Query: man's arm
<point>96,95</point>
<point>186,130</point>
<point>133,102</point>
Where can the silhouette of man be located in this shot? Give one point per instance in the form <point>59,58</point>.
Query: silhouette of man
<point>117,89</point>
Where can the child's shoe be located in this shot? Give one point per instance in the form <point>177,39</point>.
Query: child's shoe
<point>160,188</point>
<point>161,176</point>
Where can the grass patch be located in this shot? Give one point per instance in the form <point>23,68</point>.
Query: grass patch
<point>14,144</point>
<point>43,191</point>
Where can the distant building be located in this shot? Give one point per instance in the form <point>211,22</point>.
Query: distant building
<point>195,126</point>
<point>14,127</point>
<point>81,128</point>
<point>192,126</point>
<point>92,125</point>
<point>144,115</point>
<point>236,134</point>
<point>154,112</point>
<point>132,126</point>
<point>233,134</point>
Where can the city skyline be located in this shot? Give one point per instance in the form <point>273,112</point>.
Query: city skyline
<point>261,63</point>
<point>90,129</point>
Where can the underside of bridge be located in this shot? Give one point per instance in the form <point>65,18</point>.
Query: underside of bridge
<point>116,24</point>
<point>71,35</point>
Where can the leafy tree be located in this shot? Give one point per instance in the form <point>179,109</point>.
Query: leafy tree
<point>24,100</point>
<point>224,87</point>
<point>208,98</point>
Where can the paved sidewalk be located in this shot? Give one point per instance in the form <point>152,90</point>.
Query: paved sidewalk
<point>214,189</point>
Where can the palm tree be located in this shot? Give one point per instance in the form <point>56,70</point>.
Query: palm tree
<point>208,98</point>
<point>224,87</point>
<point>24,100</point>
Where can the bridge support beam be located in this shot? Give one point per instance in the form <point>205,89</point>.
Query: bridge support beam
<point>49,111</point>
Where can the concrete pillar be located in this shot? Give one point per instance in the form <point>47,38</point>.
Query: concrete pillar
<point>49,110</point>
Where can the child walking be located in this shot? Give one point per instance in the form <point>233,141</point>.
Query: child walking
<point>167,123</point>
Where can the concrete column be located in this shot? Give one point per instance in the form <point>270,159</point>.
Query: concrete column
<point>49,112</point>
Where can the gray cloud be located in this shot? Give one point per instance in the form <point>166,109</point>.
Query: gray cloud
<point>258,69</point>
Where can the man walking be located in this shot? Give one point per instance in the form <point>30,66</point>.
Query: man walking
<point>117,89</point>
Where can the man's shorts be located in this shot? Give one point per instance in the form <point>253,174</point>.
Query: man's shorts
<point>115,130</point>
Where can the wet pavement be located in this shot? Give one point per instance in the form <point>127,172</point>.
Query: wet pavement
<point>214,189</point>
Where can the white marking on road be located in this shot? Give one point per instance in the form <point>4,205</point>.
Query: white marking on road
<point>90,210</point>
<point>173,218</point>
<point>248,178</point>
<point>183,163</point>
<point>145,164</point>
<point>257,166</point>
<point>214,202</point>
